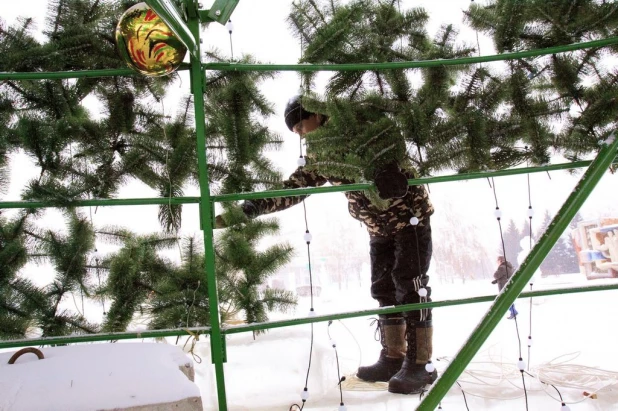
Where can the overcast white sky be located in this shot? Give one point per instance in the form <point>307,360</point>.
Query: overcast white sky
<point>261,30</point>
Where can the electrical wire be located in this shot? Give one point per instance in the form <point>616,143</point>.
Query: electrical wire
<point>513,313</point>
<point>530,214</point>
<point>339,378</point>
<point>555,373</point>
<point>464,395</point>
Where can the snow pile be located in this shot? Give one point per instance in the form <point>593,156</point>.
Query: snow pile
<point>95,377</point>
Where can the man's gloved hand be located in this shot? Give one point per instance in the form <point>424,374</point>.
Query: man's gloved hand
<point>391,182</point>
<point>494,282</point>
<point>219,222</point>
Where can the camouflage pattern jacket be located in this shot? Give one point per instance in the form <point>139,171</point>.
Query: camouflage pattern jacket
<point>380,222</point>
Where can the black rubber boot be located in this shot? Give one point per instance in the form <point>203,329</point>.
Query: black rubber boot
<point>391,182</point>
<point>413,376</point>
<point>393,340</point>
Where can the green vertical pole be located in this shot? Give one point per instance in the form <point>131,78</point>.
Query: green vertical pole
<point>206,212</point>
<point>538,253</point>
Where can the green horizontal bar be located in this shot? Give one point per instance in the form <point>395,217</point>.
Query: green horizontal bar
<point>289,192</point>
<point>416,181</point>
<point>317,67</point>
<point>409,64</point>
<point>103,202</point>
<point>43,75</point>
<point>297,321</point>
<point>292,191</point>
<point>103,337</point>
<point>409,307</point>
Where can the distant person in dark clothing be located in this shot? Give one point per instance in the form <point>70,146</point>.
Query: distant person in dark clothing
<point>501,277</point>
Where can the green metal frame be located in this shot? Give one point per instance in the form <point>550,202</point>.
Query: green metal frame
<point>188,31</point>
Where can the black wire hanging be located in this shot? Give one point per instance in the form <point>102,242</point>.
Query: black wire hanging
<point>520,363</point>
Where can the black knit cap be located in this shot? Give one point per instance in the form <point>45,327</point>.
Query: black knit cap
<point>294,112</point>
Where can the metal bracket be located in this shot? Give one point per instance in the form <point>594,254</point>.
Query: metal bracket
<point>220,11</point>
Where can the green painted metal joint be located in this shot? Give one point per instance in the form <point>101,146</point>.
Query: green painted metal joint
<point>519,280</point>
<point>191,7</point>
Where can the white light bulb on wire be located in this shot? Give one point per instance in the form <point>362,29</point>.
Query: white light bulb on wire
<point>229,26</point>
<point>429,367</point>
<point>414,221</point>
<point>304,395</point>
<point>333,343</point>
<point>301,161</point>
<point>97,255</point>
<point>312,313</point>
<point>529,341</point>
<point>498,213</point>
<point>307,237</point>
<point>565,407</point>
<point>530,212</point>
<point>343,408</point>
<point>521,364</point>
<point>422,292</point>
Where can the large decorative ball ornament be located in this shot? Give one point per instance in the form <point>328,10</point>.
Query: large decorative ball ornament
<point>146,43</point>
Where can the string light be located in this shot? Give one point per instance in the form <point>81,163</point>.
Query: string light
<point>340,379</point>
<point>530,215</point>
<point>520,364</point>
<point>230,28</point>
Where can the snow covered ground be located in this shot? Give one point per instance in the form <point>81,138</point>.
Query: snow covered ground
<point>269,373</point>
<point>573,333</point>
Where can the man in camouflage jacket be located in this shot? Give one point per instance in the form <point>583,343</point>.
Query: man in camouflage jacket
<point>400,254</point>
